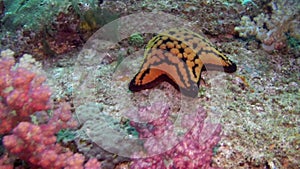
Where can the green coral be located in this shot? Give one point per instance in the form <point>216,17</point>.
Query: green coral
<point>201,92</point>
<point>136,39</point>
<point>65,135</point>
<point>36,14</point>
<point>125,125</point>
<point>293,41</point>
<point>246,2</point>
<point>30,14</point>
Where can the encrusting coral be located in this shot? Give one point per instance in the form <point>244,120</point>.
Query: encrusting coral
<point>24,95</point>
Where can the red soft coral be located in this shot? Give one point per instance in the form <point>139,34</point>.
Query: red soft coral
<point>22,93</point>
<point>37,145</point>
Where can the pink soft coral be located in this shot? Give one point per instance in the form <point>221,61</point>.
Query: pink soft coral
<point>193,151</point>
<point>22,94</point>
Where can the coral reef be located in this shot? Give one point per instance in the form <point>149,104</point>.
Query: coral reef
<point>260,120</point>
<point>18,14</point>
<point>271,29</point>
<point>213,17</point>
<point>136,39</point>
<point>36,143</point>
<point>195,150</point>
<point>22,93</point>
<point>92,150</point>
<point>54,28</point>
<point>94,120</point>
<point>5,163</point>
<point>24,97</point>
<point>257,107</point>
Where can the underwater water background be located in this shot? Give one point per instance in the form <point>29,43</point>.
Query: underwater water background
<point>66,67</point>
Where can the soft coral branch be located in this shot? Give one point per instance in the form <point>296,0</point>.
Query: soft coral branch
<point>22,94</point>
<point>193,151</point>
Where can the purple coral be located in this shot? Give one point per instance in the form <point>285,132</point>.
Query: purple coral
<point>194,150</point>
